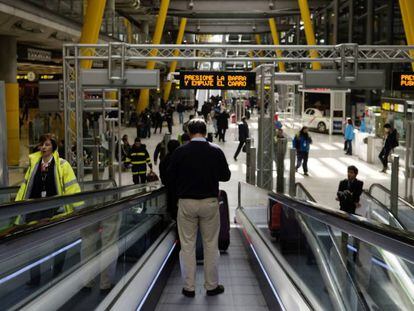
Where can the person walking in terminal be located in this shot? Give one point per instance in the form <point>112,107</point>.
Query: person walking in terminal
<point>301,142</point>
<point>222,124</point>
<point>349,137</point>
<point>390,142</point>
<point>243,135</point>
<point>139,158</point>
<point>194,174</point>
<point>48,175</point>
<point>349,192</point>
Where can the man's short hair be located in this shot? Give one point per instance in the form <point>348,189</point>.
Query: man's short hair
<point>387,125</point>
<point>137,140</point>
<point>353,168</point>
<point>197,126</point>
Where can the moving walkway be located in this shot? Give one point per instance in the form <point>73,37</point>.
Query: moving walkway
<point>323,259</point>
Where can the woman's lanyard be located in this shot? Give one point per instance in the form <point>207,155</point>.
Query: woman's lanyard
<point>44,170</point>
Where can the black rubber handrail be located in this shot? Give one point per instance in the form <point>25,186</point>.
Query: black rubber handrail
<point>84,214</point>
<point>389,192</point>
<point>13,209</point>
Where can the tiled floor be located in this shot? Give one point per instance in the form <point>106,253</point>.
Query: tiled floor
<point>242,290</point>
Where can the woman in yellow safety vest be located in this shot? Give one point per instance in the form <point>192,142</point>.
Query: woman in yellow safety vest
<point>48,175</point>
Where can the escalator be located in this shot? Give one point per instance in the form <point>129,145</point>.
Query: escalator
<point>123,237</point>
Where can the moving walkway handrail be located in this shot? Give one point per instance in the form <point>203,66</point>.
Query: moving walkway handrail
<point>323,261</point>
<point>34,235</point>
<point>9,190</point>
<point>14,189</point>
<point>387,210</point>
<point>302,188</point>
<point>399,242</point>
<point>29,206</point>
<point>386,190</point>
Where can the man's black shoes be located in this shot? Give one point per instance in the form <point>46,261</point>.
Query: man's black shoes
<point>188,293</point>
<point>217,291</point>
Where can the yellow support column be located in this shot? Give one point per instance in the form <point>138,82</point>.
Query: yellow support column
<point>173,66</point>
<point>92,21</point>
<point>310,35</point>
<point>275,36</point>
<point>407,11</point>
<point>156,39</point>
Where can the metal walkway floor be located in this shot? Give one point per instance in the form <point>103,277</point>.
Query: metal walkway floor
<point>242,290</point>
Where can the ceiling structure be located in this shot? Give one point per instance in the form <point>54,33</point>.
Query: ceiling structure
<point>49,24</point>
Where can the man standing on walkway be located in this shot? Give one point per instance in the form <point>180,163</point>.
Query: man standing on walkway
<point>349,192</point>
<point>194,174</point>
<point>243,135</point>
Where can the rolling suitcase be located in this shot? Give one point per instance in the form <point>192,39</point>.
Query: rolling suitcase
<point>274,217</point>
<point>224,234</point>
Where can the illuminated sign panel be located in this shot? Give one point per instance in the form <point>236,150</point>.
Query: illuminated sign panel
<point>403,81</point>
<point>217,80</point>
<point>393,104</point>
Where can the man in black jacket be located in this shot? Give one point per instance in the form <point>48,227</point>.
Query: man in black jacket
<point>391,141</point>
<point>349,191</point>
<point>194,174</point>
<point>243,135</point>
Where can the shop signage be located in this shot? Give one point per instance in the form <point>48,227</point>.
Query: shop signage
<point>393,104</point>
<point>403,81</point>
<point>39,55</point>
<point>217,80</point>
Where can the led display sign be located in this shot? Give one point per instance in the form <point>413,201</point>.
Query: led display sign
<point>403,81</point>
<point>217,80</point>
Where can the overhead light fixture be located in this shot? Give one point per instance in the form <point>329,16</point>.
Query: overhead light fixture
<point>254,27</point>
<point>271,4</point>
<point>190,4</point>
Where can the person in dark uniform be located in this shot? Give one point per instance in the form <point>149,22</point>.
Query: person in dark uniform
<point>243,135</point>
<point>390,142</point>
<point>349,192</point>
<point>139,158</point>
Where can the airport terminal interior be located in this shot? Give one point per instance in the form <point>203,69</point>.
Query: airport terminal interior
<point>311,102</point>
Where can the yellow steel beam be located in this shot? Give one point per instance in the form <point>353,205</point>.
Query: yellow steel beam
<point>92,21</point>
<point>128,27</point>
<point>310,35</point>
<point>156,39</point>
<point>407,12</point>
<point>275,37</point>
<point>12,113</point>
<point>173,66</point>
